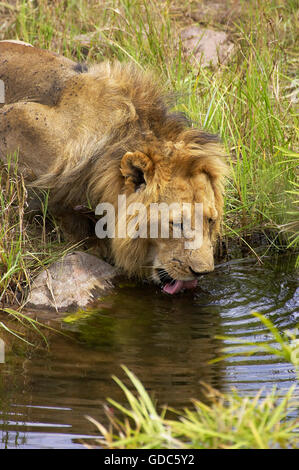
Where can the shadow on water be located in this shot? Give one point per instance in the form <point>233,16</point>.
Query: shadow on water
<point>167,341</point>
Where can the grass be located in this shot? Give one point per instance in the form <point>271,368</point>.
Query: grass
<point>12,204</point>
<point>26,327</point>
<point>250,102</point>
<point>228,421</point>
<point>24,247</point>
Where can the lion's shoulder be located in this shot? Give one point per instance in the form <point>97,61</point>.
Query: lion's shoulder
<point>33,74</point>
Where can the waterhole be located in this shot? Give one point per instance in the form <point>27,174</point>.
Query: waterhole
<point>167,341</point>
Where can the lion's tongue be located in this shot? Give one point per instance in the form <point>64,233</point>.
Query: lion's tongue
<point>177,286</point>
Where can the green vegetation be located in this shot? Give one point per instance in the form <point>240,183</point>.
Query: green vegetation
<point>227,421</point>
<point>250,102</point>
<point>24,246</point>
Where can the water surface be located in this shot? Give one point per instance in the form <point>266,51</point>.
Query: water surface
<point>167,341</point>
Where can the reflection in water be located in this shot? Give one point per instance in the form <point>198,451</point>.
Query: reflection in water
<point>166,341</point>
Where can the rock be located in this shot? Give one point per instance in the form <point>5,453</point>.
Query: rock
<point>74,281</point>
<point>205,46</point>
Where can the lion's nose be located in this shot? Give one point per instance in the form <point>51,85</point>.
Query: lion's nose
<point>199,273</point>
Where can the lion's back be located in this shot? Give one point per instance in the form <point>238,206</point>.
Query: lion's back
<point>33,74</point>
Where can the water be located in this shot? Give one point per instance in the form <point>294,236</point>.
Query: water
<point>166,341</point>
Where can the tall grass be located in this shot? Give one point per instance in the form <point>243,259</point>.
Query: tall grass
<point>25,245</point>
<point>12,231</point>
<point>24,249</point>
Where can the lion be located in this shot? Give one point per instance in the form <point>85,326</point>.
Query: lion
<point>89,133</point>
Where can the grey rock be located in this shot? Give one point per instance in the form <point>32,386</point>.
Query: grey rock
<point>74,281</point>
<point>205,46</point>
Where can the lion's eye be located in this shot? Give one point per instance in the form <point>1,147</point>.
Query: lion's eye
<point>211,221</point>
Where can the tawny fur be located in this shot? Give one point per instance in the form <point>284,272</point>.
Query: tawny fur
<point>87,135</point>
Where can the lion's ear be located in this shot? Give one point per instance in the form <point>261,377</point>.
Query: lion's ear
<point>137,168</point>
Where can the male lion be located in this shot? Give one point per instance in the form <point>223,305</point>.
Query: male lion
<point>92,133</point>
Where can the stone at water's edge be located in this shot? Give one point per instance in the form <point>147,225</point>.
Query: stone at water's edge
<point>74,281</point>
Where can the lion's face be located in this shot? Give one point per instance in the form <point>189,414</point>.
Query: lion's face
<point>183,174</point>
<point>173,263</point>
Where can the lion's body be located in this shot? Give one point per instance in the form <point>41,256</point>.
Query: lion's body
<point>87,134</point>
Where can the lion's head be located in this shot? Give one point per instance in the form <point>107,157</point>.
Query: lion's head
<point>191,171</point>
